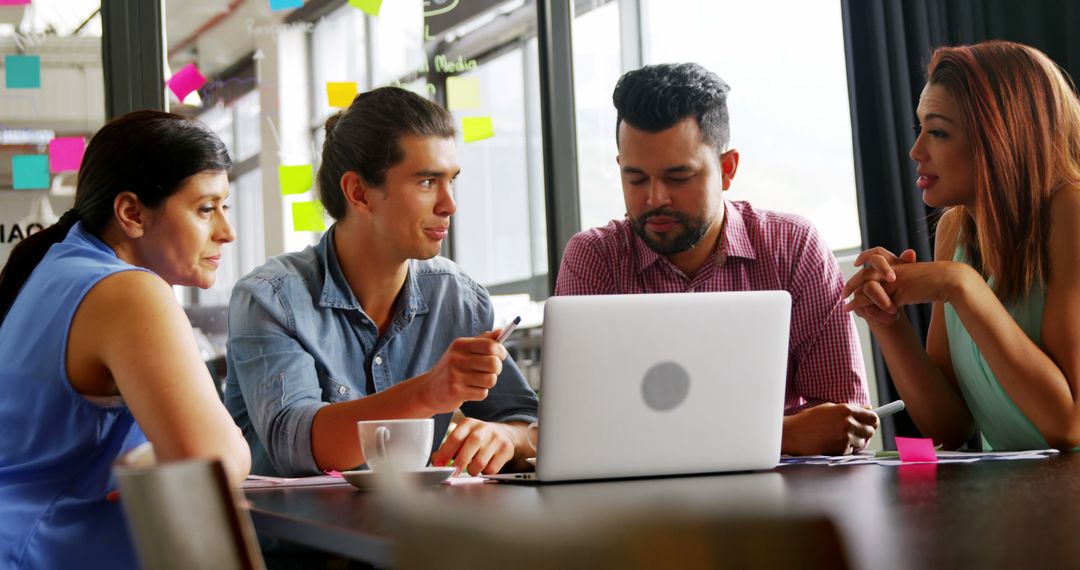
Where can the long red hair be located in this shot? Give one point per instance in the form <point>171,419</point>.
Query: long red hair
<point>1023,120</point>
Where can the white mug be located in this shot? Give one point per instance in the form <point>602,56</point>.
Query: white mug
<point>397,444</point>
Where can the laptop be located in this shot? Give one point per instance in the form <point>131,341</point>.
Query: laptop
<point>661,384</point>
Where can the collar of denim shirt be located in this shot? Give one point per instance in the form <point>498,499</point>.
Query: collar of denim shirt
<point>337,294</point>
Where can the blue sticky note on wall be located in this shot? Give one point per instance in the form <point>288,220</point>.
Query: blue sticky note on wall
<point>31,171</point>
<point>22,71</point>
<point>276,5</point>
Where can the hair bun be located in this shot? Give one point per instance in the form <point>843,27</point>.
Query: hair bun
<point>331,123</point>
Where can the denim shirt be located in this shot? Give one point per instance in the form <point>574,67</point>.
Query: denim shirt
<point>299,340</point>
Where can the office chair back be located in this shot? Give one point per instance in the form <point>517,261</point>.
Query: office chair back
<point>184,515</point>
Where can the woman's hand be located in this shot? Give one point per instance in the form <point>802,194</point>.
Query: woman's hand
<point>871,298</point>
<point>881,287</point>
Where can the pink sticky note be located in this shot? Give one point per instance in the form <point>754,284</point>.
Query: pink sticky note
<point>915,449</point>
<point>66,153</point>
<point>183,82</point>
<point>14,2</point>
<point>333,473</point>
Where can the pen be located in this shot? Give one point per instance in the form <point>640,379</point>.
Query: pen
<point>889,409</point>
<point>509,329</point>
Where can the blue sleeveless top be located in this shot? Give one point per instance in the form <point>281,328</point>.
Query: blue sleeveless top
<point>58,447</point>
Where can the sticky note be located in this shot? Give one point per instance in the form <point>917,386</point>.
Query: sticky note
<point>276,5</point>
<point>370,7</point>
<point>14,2</point>
<point>462,93</point>
<point>22,71</point>
<point>295,179</point>
<point>183,82</point>
<point>66,153</point>
<point>915,449</point>
<point>31,171</point>
<point>477,128</point>
<point>308,217</point>
<point>340,94</point>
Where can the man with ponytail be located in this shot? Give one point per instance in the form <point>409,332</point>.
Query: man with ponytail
<point>98,356</point>
<point>370,323</point>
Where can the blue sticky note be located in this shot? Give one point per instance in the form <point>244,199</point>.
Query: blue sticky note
<point>31,171</point>
<point>276,5</point>
<point>22,71</point>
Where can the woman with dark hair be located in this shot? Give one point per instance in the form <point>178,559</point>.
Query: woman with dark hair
<point>999,149</point>
<point>98,357</point>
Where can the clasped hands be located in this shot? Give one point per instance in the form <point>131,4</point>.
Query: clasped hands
<point>887,282</point>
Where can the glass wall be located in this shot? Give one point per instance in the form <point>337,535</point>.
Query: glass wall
<point>790,118</point>
<point>789,108</point>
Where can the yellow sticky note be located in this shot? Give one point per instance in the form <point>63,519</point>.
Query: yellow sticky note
<point>462,93</point>
<point>308,217</point>
<point>295,179</point>
<point>477,128</point>
<point>370,7</point>
<point>341,93</point>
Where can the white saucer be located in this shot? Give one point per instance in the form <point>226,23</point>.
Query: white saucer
<point>426,477</point>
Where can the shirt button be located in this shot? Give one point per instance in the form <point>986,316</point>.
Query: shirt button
<point>342,390</point>
<point>378,360</point>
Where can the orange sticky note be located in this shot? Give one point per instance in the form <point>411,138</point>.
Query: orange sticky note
<point>340,93</point>
<point>915,449</point>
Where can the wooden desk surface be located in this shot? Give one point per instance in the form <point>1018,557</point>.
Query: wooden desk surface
<point>1003,514</point>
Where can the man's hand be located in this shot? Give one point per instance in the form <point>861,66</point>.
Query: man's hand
<point>466,371</point>
<point>478,447</point>
<point>828,429</point>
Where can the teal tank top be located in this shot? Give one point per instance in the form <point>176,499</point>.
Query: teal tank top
<point>58,446</point>
<point>1003,425</point>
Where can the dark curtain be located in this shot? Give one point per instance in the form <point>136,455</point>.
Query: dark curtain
<point>888,44</point>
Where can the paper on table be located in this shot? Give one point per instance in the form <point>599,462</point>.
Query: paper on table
<point>891,458</point>
<point>264,482</point>
<point>466,480</point>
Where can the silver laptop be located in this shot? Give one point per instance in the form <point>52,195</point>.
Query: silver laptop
<point>664,384</point>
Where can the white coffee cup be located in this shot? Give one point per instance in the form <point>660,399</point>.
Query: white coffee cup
<point>397,444</point>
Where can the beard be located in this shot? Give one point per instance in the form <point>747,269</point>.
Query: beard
<point>694,230</point>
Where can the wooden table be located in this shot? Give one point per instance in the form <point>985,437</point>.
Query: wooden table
<point>1002,514</point>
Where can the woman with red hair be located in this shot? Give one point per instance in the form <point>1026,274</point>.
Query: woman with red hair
<point>998,148</point>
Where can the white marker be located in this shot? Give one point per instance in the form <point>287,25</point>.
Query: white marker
<point>889,409</point>
<point>509,329</point>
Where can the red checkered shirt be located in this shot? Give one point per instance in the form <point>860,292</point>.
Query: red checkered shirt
<point>761,251</point>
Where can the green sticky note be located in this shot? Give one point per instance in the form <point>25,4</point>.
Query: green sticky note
<point>462,93</point>
<point>295,179</point>
<point>30,171</point>
<point>22,71</point>
<point>308,217</point>
<point>477,128</point>
<point>370,7</point>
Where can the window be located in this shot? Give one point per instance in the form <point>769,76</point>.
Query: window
<point>597,67</point>
<point>790,118</point>
<point>496,224</point>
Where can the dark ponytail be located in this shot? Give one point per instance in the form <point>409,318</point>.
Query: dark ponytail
<point>149,153</point>
<point>364,139</point>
